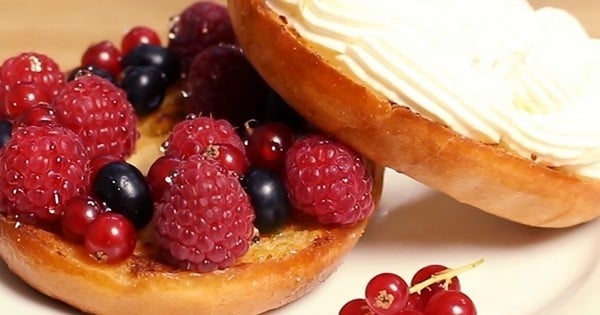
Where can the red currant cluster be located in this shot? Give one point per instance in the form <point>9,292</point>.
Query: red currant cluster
<point>434,290</point>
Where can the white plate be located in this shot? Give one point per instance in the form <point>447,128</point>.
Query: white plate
<point>527,271</point>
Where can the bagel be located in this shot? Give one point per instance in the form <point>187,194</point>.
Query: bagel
<point>277,269</point>
<point>487,176</point>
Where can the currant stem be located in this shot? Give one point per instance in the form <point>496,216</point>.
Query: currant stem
<point>444,275</point>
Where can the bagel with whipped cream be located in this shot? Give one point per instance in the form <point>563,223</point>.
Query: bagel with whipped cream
<point>494,105</point>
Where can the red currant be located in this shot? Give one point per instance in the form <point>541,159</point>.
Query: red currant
<point>267,145</point>
<point>159,175</point>
<point>230,157</point>
<point>39,114</point>
<point>410,312</point>
<point>426,273</point>
<point>138,35</point>
<point>356,307</point>
<point>77,217</point>
<point>111,238</point>
<point>24,96</point>
<point>450,302</point>
<point>387,294</point>
<point>104,55</point>
<point>99,161</point>
<point>415,302</point>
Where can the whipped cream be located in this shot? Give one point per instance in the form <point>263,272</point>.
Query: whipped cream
<point>498,71</point>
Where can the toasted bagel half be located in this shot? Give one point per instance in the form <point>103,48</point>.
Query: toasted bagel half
<point>485,176</point>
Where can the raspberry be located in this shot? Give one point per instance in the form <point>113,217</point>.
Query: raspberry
<point>198,26</point>
<point>34,68</point>
<point>42,167</point>
<point>100,114</point>
<point>205,220</point>
<point>194,135</point>
<point>326,179</point>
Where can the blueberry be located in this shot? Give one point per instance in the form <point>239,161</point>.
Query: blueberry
<point>145,88</point>
<point>154,55</point>
<point>5,131</point>
<point>268,197</point>
<point>82,70</point>
<point>123,188</point>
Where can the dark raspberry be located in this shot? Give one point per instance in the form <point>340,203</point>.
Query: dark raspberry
<point>198,231</point>
<point>104,55</point>
<point>138,35</point>
<point>194,135</point>
<point>202,24</point>
<point>41,169</point>
<point>214,74</point>
<point>123,189</point>
<point>327,179</point>
<point>100,114</point>
<point>34,68</point>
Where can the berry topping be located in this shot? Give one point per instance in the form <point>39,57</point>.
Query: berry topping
<point>159,175</point>
<point>194,135</point>
<point>42,168</point>
<point>111,238</point>
<point>104,55</point>
<point>267,145</point>
<point>22,97</point>
<point>77,216</point>
<point>145,88</point>
<point>100,114</point>
<point>198,230</point>
<point>231,158</point>
<point>202,24</point>
<point>326,179</point>
<point>33,68</point>
<point>138,35</point>
<point>155,56</point>
<point>123,189</point>
<point>268,198</point>
<point>6,128</point>
<point>217,71</point>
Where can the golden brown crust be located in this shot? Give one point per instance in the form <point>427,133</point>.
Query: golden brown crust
<point>277,269</point>
<point>485,176</point>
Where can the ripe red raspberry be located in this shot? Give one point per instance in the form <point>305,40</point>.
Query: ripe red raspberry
<point>194,135</point>
<point>33,68</point>
<point>42,167</point>
<point>198,230</point>
<point>100,114</point>
<point>327,179</point>
<point>202,24</point>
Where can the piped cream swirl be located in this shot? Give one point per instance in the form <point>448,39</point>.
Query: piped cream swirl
<point>499,72</point>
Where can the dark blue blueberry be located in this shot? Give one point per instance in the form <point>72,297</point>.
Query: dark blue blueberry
<point>157,56</point>
<point>123,188</point>
<point>268,197</point>
<point>5,131</point>
<point>83,70</point>
<point>145,88</point>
